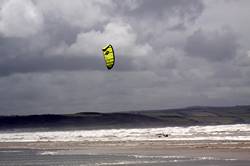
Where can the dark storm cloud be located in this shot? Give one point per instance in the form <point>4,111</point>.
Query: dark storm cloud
<point>33,64</point>
<point>30,64</point>
<point>12,46</point>
<point>213,46</point>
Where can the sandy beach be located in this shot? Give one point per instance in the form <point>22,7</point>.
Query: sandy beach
<point>223,149</point>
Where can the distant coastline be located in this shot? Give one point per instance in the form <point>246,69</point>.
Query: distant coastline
<point>198,115</point>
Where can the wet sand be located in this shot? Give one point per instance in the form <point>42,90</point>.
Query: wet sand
<point>239,150</point>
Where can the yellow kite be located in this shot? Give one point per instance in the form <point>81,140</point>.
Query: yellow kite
<point>109,56</point>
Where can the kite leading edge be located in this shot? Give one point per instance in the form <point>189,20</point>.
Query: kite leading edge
<point>109,56</point>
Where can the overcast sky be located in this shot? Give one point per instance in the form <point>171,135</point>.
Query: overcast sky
<point>169,54</point>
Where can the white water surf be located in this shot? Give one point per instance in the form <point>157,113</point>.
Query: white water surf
<point>238,132</point>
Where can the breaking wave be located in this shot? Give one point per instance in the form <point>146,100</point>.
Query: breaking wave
<point>219,132</point>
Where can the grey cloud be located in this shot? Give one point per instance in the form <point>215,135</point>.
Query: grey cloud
<point>30,54</point>
<point>60,92</point>
<point>148,8</point>
<point>60,31</point>
<point>169,15</point>
<point>34,64</point>
<point>11,46</point>
<point>213,46</point>
<point>156,22</point>
<point>20,19</point>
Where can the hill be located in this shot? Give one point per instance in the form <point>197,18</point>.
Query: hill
<point>133,119</point>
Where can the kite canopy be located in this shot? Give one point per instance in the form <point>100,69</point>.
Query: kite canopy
<point>109,56</point>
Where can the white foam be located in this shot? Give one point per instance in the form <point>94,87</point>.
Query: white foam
<point>157,157</point>
<point>239,132</point>
<point>130,163</point>
<point>207,158</point>
<point>231,159</point>
<point>48,153</point>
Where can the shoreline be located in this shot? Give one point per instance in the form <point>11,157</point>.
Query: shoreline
<point>191,144</point>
